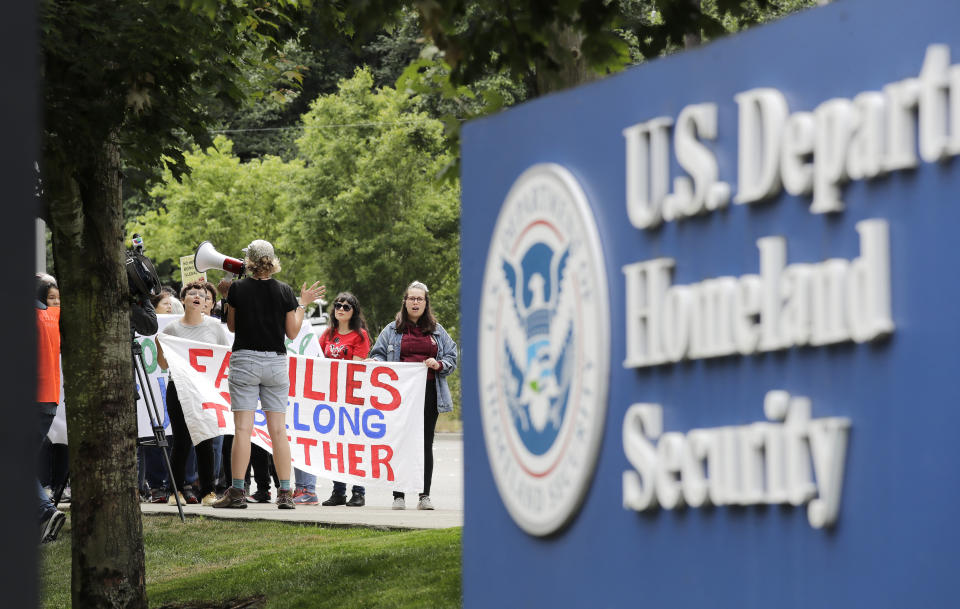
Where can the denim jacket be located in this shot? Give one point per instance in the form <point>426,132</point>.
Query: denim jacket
<point>387,348</point>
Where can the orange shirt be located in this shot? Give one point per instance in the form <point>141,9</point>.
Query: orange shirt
<point>48,355</point>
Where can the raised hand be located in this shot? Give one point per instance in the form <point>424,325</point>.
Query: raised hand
<point>311,294</point>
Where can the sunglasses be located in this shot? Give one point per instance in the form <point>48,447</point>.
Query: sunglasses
<point>342,306</point>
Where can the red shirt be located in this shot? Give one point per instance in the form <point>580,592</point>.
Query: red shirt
<point>345,346</point>
<point>48,355</point>
<point>416,346</point>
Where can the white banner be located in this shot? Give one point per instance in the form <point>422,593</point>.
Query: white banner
<point>306,343</point>
<point>358,422</point>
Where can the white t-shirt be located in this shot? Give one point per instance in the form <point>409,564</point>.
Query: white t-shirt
<point>211,330</point>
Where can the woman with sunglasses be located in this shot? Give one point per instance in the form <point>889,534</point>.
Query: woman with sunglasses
<point>415,336</point>
<point>346,338</point>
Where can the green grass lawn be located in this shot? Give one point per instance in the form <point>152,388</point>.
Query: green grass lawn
<point>291,565</point>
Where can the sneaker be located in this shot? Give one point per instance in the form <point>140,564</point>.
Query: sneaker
<point>233,498</point>
<point>335,499</point>
<point>261,496</point>
<point>173,499</point>
<point>285,500</point>
<point>158,495</point>
<point>208,499</point>
<point>399,503</point>
<point>190,495</point>
<point>356,500</point>
<point>305,498</point>
<point>425,503</point>
<point>298,491</point>
<point>50,528</point>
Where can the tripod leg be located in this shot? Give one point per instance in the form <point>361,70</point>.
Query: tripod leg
<point>154,414</point>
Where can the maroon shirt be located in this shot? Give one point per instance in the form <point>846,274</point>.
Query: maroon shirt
<point>417,346</point>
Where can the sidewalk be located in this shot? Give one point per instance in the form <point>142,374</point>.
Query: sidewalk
<point>446,494</point>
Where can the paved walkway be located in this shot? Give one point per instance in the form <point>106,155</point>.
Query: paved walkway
<point>446,494</point>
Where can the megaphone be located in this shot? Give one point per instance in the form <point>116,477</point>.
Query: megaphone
<point>207,257</point>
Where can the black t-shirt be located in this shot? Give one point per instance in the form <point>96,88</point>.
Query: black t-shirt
<point>261,307</point>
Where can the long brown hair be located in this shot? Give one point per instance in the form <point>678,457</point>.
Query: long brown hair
<point>357,322</point>
<point>427,322</point>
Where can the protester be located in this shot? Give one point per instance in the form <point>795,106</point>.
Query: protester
<point>211,297</point>
<point>208,309</point>
<point>48,396</point>
<point>54,458</point>
<point>194,325</point>
<point>415,336</point>
<point>346,338</point>
<point>166,302</point>
<point>261,311</point>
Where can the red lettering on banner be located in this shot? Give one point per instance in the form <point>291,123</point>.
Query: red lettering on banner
<point>307,444</point>
<point>327,457</point>
<point>308,391</point>
<point>381,455</point>
<point>222,374</point>
<point>334,368</point>
<point>219,409</point>
<point>292,369</point>
<point>353,384</point>
<point>225,396</point>
<point>263,436</point>
<point>394,402</point>
<point>355,460</point>
<point>194,354</point>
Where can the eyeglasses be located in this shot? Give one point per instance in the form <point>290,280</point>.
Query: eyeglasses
<point>337,306</point>
<point>416,299</point>
<point>202,293</point>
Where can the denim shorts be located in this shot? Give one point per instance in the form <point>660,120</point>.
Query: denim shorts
<point>258,374</point>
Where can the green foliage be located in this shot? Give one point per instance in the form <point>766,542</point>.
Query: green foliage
<point>143,72</point>
<point>222,200</point>
<point>374,216</point>
<point>212,560</point>
<point>362,210</point>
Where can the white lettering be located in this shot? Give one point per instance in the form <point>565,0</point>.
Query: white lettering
<point>766,462</point>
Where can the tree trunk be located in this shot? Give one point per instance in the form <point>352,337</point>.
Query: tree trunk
<point>571,68</point>
<point>87,227</point>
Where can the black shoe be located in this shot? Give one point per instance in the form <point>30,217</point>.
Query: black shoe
<point>335,499</point>
<point>190,495</point>
<point>356,500</point>
<point>262,496</point>
<point>50,527</point>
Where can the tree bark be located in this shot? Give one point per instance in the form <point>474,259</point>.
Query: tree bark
<point>571,68</point>
<point>87,227</point>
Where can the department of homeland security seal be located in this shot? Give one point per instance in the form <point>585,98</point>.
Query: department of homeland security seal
<point>544,346</point>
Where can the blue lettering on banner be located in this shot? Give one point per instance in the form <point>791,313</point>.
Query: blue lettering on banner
<point>354,422</point>
<point>259,422</point>
<point>296,419</point>
<point>376,430</point>
<point>162,385</point>
<point>332,418</point>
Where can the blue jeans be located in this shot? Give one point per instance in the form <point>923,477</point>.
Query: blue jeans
<point>305,480</point>
<point>154,467</point>
<point>217,457</point>
<point>47,411</point>
<point>340,488</point>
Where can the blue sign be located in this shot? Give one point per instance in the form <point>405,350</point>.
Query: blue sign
<point>712,303</point>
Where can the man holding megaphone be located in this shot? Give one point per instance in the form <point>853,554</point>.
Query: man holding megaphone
<point>260,312</point>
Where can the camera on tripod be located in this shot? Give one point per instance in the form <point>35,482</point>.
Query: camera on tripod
<point>141,275</point>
